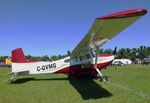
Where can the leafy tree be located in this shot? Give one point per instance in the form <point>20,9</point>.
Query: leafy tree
<point>54,57</point>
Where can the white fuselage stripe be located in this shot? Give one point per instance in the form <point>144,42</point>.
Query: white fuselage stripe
<point>52,67</point>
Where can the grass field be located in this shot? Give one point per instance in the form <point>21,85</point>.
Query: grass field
<point>129,84</point>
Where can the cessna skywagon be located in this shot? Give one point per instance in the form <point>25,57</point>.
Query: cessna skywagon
<point>85,59</point>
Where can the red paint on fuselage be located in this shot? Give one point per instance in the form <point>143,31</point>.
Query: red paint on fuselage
<point>105,55</point>
<point>79,71</point>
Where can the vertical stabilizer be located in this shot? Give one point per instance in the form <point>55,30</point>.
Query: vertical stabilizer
<point>18,56</point>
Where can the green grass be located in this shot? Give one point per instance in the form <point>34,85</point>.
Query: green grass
<point>129,84</point>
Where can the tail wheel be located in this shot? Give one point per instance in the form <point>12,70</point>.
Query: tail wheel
<point>11,79</point>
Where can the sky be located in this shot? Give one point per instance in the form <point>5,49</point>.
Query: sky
<point>52,27</point>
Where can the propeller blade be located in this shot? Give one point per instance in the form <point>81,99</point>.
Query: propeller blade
<point>115,50</point>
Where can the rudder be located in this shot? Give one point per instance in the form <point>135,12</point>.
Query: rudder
<point>18,56</point>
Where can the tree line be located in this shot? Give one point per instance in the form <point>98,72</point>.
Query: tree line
<point>141,53</point>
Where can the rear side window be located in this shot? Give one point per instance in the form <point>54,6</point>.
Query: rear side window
<point>74,59</point>
<point>67,60</point>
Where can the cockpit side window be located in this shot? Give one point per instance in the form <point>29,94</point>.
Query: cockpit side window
<point>82,57</point>
<point>88,56</point>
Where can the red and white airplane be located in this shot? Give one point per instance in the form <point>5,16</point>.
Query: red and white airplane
<point>85,59</point>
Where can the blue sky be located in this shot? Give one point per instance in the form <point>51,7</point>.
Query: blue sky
<point>51,27</point>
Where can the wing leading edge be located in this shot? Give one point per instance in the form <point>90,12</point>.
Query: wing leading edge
<point>105,28</point>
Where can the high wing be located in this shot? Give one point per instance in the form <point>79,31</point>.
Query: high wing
<point>105,28</point>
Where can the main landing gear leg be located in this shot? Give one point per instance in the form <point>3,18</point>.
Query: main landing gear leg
<point>102,78</point>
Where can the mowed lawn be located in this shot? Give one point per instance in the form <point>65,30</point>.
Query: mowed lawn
<point>129,84</point>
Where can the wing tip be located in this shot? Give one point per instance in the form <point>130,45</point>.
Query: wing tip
<point>126,13</point>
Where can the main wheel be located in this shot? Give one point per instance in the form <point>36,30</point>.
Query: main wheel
<point>104,79</point>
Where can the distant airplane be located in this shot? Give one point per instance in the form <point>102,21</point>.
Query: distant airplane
<point>146,61</point>
<point>121,62</point>
<point>84,59</point>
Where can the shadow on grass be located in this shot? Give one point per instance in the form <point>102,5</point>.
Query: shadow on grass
<point>86,87</point>
<point>24,80</point>
<point>89,89</point>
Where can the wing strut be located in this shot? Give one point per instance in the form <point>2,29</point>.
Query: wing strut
<point>102,78</point>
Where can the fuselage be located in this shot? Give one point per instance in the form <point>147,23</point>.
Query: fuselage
<point>77,66</point>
